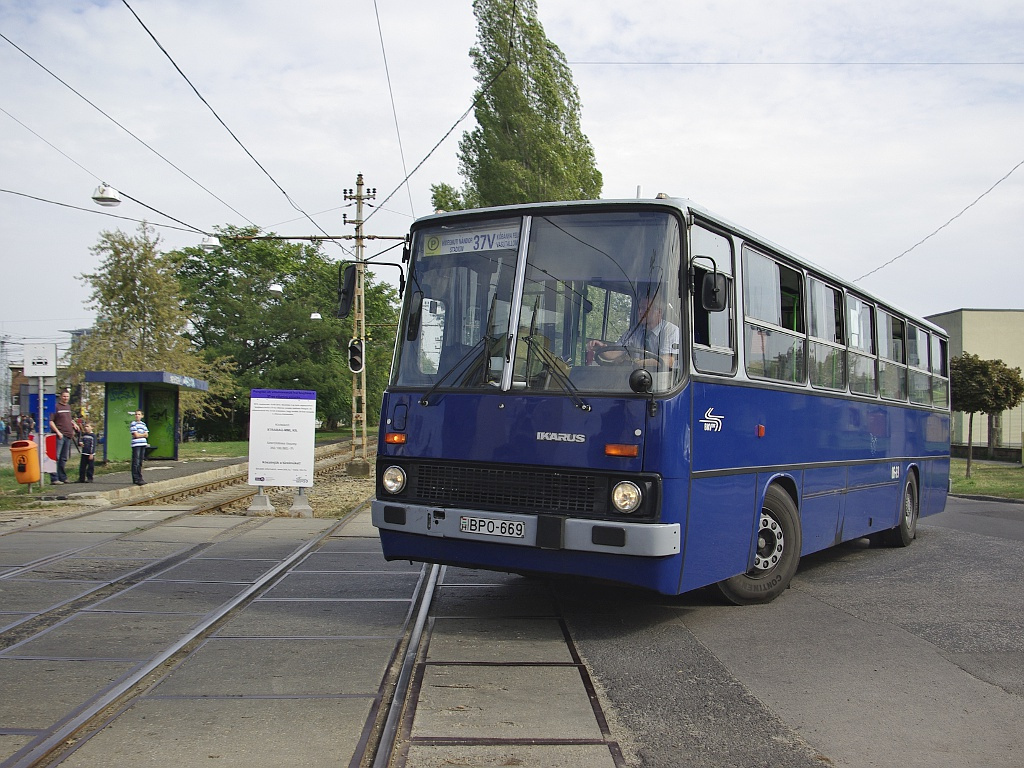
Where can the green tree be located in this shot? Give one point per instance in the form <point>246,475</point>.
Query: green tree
<point>140,323</point>
<point>528,145</point>
<point>983,386</point>
<point>272,341</point>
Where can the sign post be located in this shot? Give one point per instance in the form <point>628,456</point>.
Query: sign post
<point>40,361</point>
<point>282,435</point>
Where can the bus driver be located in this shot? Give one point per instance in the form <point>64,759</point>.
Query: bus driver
<point>652,334</point>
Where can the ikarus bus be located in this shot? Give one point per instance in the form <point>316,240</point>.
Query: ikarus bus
<point>642,392</point>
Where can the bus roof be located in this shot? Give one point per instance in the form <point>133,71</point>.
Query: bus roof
<point>686,206</point>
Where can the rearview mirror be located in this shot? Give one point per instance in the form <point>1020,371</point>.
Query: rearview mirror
<point>714,292</point>
<point>346,289</point>
<point>415,313</point>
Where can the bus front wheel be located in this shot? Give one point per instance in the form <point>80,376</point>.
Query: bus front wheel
<point>777,554</point>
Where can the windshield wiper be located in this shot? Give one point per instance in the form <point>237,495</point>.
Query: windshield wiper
<point>554,366</point>
<point>460,366</point>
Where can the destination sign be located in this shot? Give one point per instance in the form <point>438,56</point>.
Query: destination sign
<point>500,238</point>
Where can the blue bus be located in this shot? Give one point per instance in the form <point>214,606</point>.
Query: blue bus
<point>640,391</point>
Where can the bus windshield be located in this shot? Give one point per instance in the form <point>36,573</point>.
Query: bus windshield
<point>556,303</point>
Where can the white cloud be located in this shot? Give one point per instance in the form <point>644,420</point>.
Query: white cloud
<point>844,131</point>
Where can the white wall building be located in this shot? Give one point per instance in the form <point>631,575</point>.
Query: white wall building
<point>991,334</point>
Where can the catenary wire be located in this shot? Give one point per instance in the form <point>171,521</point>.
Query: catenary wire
<point>394,109</point>
<point>231,133</point>
<point>184,228</point>
<point>483,91</point>
<point>119,125</point>
<point>925,239</point>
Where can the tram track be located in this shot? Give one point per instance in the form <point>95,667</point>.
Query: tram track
<point>387,730</point>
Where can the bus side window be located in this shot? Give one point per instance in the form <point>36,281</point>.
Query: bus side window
<point>861,358</point>
<point>712,333</point>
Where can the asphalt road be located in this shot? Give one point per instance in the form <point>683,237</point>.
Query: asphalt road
<point>875,657</point>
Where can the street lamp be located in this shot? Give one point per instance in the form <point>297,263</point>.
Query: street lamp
<point>209,243</point>
<point>276,290</point>
<point>106,196</point>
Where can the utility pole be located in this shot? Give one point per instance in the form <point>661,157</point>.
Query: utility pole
<point>359,466</point>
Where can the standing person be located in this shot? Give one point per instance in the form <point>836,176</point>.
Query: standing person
<point>63,425</point>
<point>140,441</point>
<point>3,431</point>
<point>87,465</point>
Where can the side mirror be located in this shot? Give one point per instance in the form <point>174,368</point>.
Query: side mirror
<point>714,292</point>
<point>415,314</point>
<point>641,381</point>
<point>346,289</point>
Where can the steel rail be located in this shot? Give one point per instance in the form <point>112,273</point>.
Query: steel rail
<point>389,733</point>
<point>60,735</point>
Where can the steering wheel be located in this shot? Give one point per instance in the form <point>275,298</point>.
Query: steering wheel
<point>626,355</point>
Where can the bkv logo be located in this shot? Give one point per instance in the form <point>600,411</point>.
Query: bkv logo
<point>712,421</point>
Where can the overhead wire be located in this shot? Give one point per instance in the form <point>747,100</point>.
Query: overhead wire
<point>394,109</point>
<point>231,133</point>
<point>188,227</point>
<point>119,125</point>
<point>954,218</point>
<point>185,227</point>
<point>476,97</point>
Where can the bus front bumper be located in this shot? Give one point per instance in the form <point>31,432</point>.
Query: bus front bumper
<point>541,531</point>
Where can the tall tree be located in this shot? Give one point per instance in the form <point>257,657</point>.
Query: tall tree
<point>140,323</point>
<point>272,341</point>
<point>983,386</point>
<point>528,145</point>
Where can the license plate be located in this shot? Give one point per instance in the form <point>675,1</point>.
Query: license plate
<point>485,526</point>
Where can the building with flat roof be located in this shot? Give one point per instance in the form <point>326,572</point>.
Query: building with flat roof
<point>991,334</point>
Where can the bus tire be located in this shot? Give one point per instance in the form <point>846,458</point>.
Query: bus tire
<point>910,510</point>
<point>777,555</point>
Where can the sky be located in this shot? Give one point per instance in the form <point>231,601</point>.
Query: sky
<point>851,133</point>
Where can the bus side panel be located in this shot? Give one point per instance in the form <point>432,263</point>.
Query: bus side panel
<point>934,486</point>
<point>720,529</point>
<point>872,499</point>
<point>821,507</point>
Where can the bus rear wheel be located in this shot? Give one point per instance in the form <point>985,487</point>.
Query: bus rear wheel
<point>777,554</point>
<point>906,531</point>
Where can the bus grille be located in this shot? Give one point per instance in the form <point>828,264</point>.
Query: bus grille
<point>511,490</point>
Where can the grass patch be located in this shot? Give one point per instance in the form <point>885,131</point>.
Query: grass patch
<point>1000,479</point>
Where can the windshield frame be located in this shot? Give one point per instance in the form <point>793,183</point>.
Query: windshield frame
<point>659,232</point>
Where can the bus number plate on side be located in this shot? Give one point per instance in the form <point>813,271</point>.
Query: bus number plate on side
<point>485,526</point>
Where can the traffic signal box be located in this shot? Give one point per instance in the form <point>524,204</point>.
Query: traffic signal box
<point>355,356</point>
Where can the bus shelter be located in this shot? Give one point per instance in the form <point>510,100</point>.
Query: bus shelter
<point>156,394</point>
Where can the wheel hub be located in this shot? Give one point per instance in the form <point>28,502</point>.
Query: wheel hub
<point>770,544</point>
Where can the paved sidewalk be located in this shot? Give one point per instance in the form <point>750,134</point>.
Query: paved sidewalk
<point>159,476</point>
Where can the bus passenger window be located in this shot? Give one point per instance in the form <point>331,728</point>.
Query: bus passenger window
<point>861,360</point>
<point>774,324</point>
<point>826,350</point>
<point>892,357</point>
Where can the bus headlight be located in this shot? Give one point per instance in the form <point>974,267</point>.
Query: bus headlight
<point>626,497</point>
<point>393,479</point>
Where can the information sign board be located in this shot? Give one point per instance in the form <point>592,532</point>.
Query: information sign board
<point>282,434</point>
